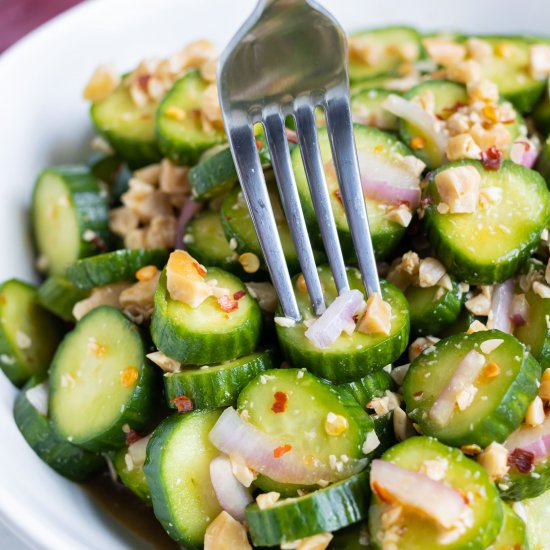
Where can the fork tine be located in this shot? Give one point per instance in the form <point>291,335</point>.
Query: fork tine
<point>247,162</point>
<point>278,148</point>
<point>313,165</point>
<point>340,130</point>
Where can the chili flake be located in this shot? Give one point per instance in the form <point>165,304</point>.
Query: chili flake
<point>491,158</point>
<point>338,196</point>
<point>128,376</point>
<point>282,450</point>
<point>227,304</point>
<point>239,294</point>
<point>417,143</point>
<point>183,403</point>
<point>131,437</point>
<point>281,400</point>
<point>523,460</point>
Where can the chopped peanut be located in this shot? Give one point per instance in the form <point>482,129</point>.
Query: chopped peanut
<point>430,272</point>
<point>491,345</point>
<point>137,301</point>
<point>377,316</point>
<point>490,195</point>
<point>496,136</point>
<point>364,50</point>
<point>539,60</point>
<point>476,326</point>
<point>336,424</point>
<point>462,146</point>
<point>480,50</point>
<point>541,289</point>
<point>135,239</point>
<point>404,271</point>
<point>102,83</point>
<point>250,262</point>
<point>167,364</point>
<point>146,273</point>
<point>464,71</point>
<point>107,295</point>
<point>495,460</point>
<point>225,532</point>
<point>241,471</point>
<point>420,344</point>
<point>465,397</point>
<point>444,51</point>
<point>267,500</point>
<point>316,542</point>
<point>535,412</point>
<point>459,188</point>
<point>479,305</point>
<point>209,70</point>
<point>210,107</point>
<point>483,90</point>
<point>122,221</point>
<point>161,232</point>
<point>426,100</point>
<point>148,174</point>
<point>435,468</point>
<point>185,279</point>
<point>544,390</point>
<point>401,215</point>
<point>173,178</point>
<point>402,426</point>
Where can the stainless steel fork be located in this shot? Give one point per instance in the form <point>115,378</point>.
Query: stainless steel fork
<point>289,57</point>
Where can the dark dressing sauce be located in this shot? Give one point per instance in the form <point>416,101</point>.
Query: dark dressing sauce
<point>128,510</point>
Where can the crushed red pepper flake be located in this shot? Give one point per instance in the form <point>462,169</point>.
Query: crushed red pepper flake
<point>131,437</point>
<point>492,158</point>
<point>338,196</point>
<point>281,400</point>
<point>99,244</point>
<point>183,403</point>
<point>239,294</point>
<point>522,460</point>
<point>227,304</point>
<point>259,144</point>
<point>282,450</point>
<point>143,80</point>
<point>199,269</point>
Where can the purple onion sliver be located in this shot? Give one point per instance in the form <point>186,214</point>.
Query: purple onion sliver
<point>188,210</point>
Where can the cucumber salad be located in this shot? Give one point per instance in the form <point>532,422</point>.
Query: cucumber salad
<point>155,348</point>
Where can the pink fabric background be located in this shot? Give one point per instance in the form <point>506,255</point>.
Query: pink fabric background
<point>18,17</point>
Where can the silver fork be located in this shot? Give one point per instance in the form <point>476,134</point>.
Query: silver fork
<point>289,57</point>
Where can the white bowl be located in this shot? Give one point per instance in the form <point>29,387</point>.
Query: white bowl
<point>44,121</point>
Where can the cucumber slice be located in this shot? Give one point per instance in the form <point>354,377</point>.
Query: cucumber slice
<point>366,107</point>
<point>206,334</point>
<point>512,535</point>
<point>205,240</point>
<point>128,128</point>
<point>489,245</point>
<point>67,460</point>
<point>215,385</point>
<point>114,267</point>
<point>134,477</point>
<point>237,225</point>
<point>177,469</point>
<point>350,357</point>
<point>215,174</point>
<point>292,405</point>
<point>28,333</point>
<point>541,116</point>
<point>534,512</point>
<point>367,388</point>
<point>447,95</point>
<point>374,146</point>
<point>384,39</point>
<point>69,216</point>
<point>462,324</point>
<point>543,162</point>
<point>354,537</point>
<point>58,295</point>
<point>510,72</point>
<point>383,425</point>
<point>517,486</point>
<point>105,167</point>
<point>501,400</point>
<point>183,141</point>
<point>297,518</point>
<point>462,474</point>
<point>430,314</point>
<point>535,334</point>
<point>102,361</point>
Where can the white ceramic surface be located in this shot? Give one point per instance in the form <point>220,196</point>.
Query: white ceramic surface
<point>43,121</point>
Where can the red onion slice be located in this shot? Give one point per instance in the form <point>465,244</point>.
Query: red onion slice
<point>188,210</point>
<point>533,439</point>
<point>232,496</point>
<point>337,318</point>
<point>415,115</point>
<point>465,375</point>
<point>384,192</point>
<point>501,306</point>
<point>417,491</point>
<point>519,311</point>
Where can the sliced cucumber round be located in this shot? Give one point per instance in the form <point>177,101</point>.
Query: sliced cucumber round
<point>214,386</point>
<point>177,469</point>
<point>350,357</point>
<point>543,162</point>
<point>101,361</point>
<point>68,460</point>
<point>512,535</point>
<point>183,141</point>
<point>383,426</point>
<point>114,267</point>
<point>366,108</point>
<point>489,245</point>
<point>29,334</point>
<point>380,154</point>
<point>298,518</point>
<point>314,418</point>
<point>367,388</point>
<point>430,314</point>
<point>206,334</point>
<point>132,474</point>
<point>534,512</point>
<point>541,116</point>
<point>128,128</point>
<point>412,531</point>
<point>386,39</point>
<point>58,295</point>
<point>69,216</point>
<point>354,537</point>
<point>485,407</point>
